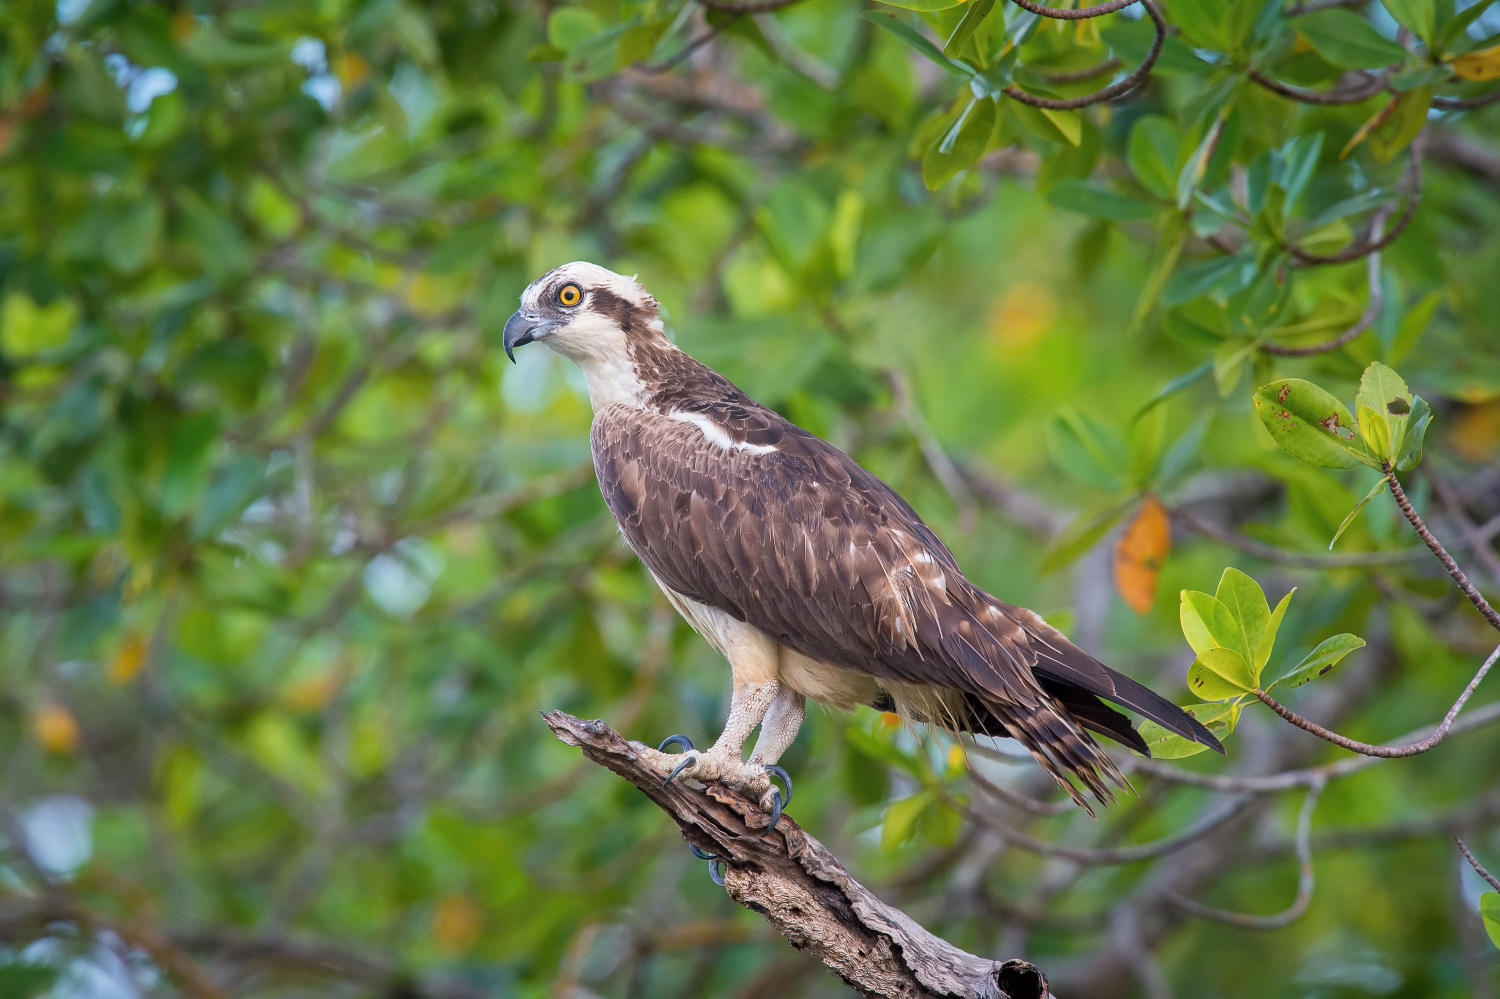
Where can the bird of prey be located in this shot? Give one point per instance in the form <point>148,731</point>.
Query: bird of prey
<point>808,573</point>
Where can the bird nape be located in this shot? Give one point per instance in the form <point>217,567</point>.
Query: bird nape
<point>811,576</point>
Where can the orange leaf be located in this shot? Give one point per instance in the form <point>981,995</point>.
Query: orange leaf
<point>456,923</point>
<point>1140,553</point>
<point>55,728</point>
<point>129,659</point>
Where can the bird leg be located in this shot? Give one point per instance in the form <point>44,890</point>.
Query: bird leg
<point>723,762</point>
<point>779,727</point>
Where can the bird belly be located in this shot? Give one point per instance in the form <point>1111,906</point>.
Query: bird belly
<point>750,651</point>
<point>826,684</point>
<point>755,657</point>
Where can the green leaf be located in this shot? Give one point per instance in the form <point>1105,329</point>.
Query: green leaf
<point>962,146</point>
<point>1349,41</point>
<point>1246,603</point>
<point>1062,127</point>
<point>1152,154</point>
<point>1383,404</point>
<point>887,752</point>
<point>1174,234</point>
<point>1459,23</point>
<point>25,981</point>
<point>1417,16</point>
<point>1489,911</point>
<point>1221,277</point>
<point>1310,424</point>
<point>967,25</point>
<point>1207,623</point>
<point>569,27</point>
<point>1088,199</point>
<point>1203,22</point>
<point>901,819</point>
<point>911,36</point>
<point>1087,450</point>
<point>1196,166</point>
<point>1376,491</point>
<point>1174,385</point>
<point>1403,125</point>
<point>1218,718</point>
<point>1219,675</point>
<point>1321,659</point>
<point>27,328</point>
<point>1268,637</point>
<point>1413,325</point>
<point>1082,534</point>
<point>1410,452</point>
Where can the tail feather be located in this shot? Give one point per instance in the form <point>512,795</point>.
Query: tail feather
<point>1063,749</point>
<point>1065,664</point>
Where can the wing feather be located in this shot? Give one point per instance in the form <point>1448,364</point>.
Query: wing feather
<point>815,551</point>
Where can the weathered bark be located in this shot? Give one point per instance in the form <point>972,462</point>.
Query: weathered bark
<point>804,892</point>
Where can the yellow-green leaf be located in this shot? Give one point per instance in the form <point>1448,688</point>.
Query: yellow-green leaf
<point>1220,675</point>
<point>901,818</point>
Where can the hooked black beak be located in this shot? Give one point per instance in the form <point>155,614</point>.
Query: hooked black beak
<point>520,328</point>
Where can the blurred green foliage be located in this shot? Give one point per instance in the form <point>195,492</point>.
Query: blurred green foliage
<point>290,558</point>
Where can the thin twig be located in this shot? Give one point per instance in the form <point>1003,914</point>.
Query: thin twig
<point>1478,867</point>
<point>1078,76</point>
<point>1465,103</point>
<point>1313,6</point>
<point>1305,777</point>
<point>1468,588</point>
<point>933,453</point>
<point>1282,556</point>
<point>1079,14</point>
<point>1412,181</point>
<point>1018,800</point>
<point>1305,881</point>
<point>1109,93</point>
<point>1364,93</point>
<point>1385,752</point>
<point>1479,541</point>
<point>1366,319</point>
<point>1107,855</point>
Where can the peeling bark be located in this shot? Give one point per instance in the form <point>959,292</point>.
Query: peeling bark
<point>804,892</point>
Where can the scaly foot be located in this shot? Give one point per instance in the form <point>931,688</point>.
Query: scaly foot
<point>721,766</point>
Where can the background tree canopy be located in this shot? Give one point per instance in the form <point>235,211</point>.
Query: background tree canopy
<point>290,558</point>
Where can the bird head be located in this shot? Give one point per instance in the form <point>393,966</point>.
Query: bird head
<point>584,312</point>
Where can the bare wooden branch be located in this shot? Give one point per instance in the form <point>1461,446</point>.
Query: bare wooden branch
<point>803,891</point>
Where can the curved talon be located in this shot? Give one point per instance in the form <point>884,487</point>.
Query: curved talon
<point>716,871</point>
<point>676,740</point>
<point>702,854</point>
<point>786,779</point>
<point>775,810</point>
<point>679,768</point>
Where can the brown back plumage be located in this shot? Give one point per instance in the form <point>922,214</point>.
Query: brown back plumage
<point>731,505</point>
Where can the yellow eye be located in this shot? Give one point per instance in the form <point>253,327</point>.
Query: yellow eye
<point>570,294</point>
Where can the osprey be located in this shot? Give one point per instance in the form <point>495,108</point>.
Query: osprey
<point>809,574</point>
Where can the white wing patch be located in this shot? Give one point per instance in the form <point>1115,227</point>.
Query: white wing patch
<point>716,435</point>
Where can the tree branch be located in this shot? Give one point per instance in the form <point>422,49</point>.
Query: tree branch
<point>1478,867</point>
<point>1437,549</point>
<point>1385,752</point>
<point>803,891</point>
<point>1305,881</point>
